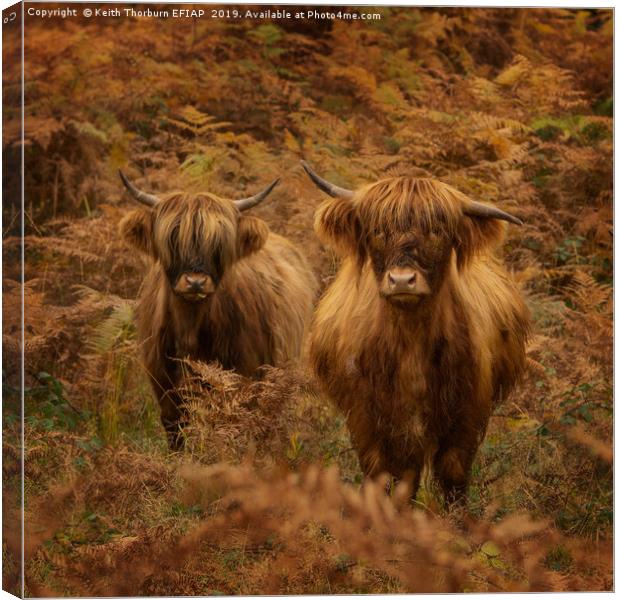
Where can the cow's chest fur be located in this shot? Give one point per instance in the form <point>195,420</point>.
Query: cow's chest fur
<point>408,386</point>
<point>186,341</point>
<point>393,381</point>
<point>197,337</point>
<point>220,334</point>
<point>185,327</point>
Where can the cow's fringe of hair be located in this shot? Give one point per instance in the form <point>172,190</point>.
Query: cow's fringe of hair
<point>405,203</point>
<point>428,205</point>
<point>203,226</point>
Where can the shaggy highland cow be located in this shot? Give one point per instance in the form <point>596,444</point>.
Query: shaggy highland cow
<point>422,332</point>
<point>221,288</point>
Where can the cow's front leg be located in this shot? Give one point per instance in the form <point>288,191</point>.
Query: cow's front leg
<point>411,476</point>
<point>452,467</point>
<point>404,465</point>
<point>368,444</point>
<point>377,458</point>
<point>456,453</point>
<point>165,379</point>
<point>174,418</point>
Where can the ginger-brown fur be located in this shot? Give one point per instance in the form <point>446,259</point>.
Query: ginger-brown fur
<point>417,380</point>
<point>264,290</point>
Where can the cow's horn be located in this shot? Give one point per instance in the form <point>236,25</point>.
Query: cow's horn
<point>246,203</point>
<point>143,197</point>
<point>477,209</point>
<point>329,188</point>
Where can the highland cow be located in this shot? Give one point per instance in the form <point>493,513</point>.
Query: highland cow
<point>422,332</point>
<point>221,288</point>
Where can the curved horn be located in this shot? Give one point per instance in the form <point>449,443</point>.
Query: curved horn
<point>329,188</point>
<point>477,209</point>
<point>246,203</point>
<point>142,197</point>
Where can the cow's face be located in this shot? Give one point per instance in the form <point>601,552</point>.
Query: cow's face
<point>408,265</point>
<point>408,230</point>
<point>196,239</point>
<point>409,240</point>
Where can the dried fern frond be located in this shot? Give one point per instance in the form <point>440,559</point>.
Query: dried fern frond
<point>196,122</point>
<point>118,327</point>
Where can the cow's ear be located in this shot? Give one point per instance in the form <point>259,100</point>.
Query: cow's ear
<point>252,233</point>
<point>475,235</point>
<point>338,226</point>
<point>137,229</point>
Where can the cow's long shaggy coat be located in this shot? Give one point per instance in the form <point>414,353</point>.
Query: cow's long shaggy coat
<point>264,291</point>
<point>417,381</point>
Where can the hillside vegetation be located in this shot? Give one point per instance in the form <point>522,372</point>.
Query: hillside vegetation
<point>512,107</point>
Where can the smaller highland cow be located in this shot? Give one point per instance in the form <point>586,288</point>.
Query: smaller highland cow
<point>422,332</point>
<point>221,288</point>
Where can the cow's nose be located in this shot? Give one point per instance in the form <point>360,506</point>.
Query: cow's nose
<point>195,281</point>
<point>402,279</point>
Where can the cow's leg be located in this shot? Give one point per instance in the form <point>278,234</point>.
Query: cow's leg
<point>174,418</point>
<point>378,458</point>
<point>412,477</point>
<point>452,464</point>
<point>368,444</point>
<point>173,413</point>
<point>452,467</point>
<point>165,376</point>
<point>372,460</point>
<point>456,453</point>
<point>405,466</point>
